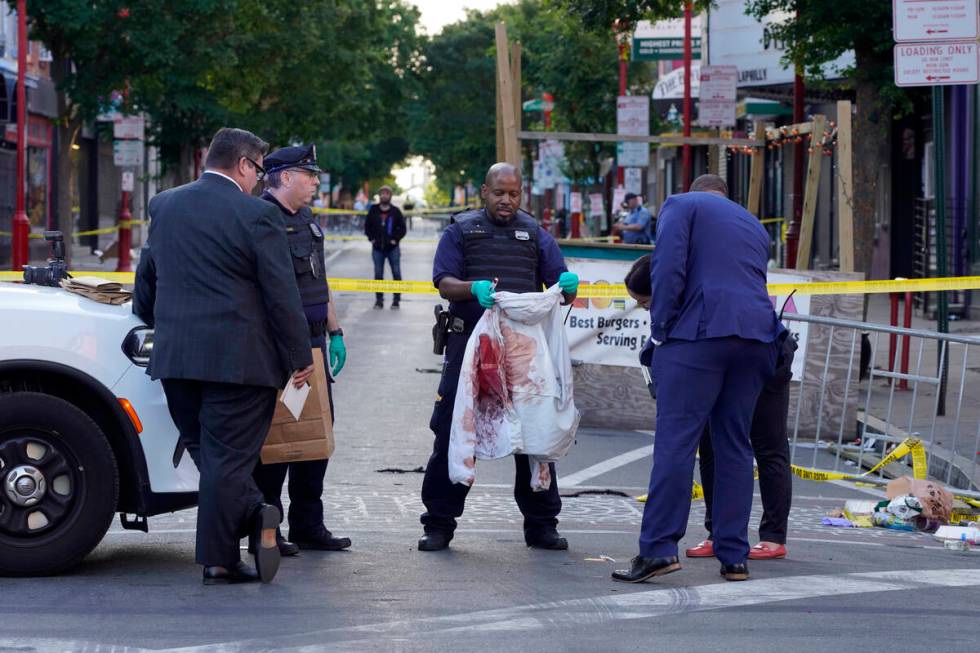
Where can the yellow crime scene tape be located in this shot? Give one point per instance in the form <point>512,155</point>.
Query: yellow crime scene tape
<point>618,291</point>
<point>90,232</point>
<point>447,210</point>
<point>911,446</point>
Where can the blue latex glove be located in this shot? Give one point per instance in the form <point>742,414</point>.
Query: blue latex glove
<point>338,354</point>
<point>483,291</point>
<point>568,282</point>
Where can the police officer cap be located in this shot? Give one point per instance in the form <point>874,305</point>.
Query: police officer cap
<point>297,156</point>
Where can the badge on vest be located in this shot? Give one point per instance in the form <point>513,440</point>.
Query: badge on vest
<point>522,235</point>
<point>316,230</point>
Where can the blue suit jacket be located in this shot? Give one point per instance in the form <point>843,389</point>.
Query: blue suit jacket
<point>708,272</point>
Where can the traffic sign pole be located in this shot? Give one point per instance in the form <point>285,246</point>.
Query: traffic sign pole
<point>686,151</point>
<point>939,157</point>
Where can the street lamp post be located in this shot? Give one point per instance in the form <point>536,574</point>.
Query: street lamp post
<point>21,226</point>
<point>686,150</point>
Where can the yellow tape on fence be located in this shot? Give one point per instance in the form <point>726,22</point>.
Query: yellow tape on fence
<point>911,446</point>
<point>372,285</point>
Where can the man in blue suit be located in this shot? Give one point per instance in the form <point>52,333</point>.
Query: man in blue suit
<point>715,333</point>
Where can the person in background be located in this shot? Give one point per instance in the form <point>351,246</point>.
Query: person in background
<point>385,228</point>
<point>637,227</point>
<point>767,433</point>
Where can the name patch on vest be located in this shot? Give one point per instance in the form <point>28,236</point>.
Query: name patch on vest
<point>522,235</point>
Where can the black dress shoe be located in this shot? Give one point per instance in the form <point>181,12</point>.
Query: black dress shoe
<point>286,548</point>
<point>642,569</point>
<point>738,571</point>
<point>550,540</point>
<point>265,522</point>
<point>434,541</point>
<point>238,573</point>
<point>322,540</point>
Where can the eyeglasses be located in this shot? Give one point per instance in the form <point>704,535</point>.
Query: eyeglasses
<point>259,170</point>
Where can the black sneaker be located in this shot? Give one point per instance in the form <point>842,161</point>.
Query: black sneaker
<point>379,304</point>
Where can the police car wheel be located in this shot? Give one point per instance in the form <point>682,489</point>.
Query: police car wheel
<point>58,484</point>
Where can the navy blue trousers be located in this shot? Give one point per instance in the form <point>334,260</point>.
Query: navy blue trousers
<point>715,381</point>
<point>444,499</point>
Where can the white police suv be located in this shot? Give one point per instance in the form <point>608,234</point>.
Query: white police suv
<point>84,432</point>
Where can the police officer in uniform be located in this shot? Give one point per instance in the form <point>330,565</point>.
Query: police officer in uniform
<point>292,178</point>
<point>499,242</point>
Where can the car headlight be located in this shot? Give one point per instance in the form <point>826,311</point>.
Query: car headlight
<point>138,345</point>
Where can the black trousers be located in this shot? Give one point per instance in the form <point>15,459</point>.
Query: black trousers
<point>771,449</point>
<point>305,483</point>
<point>444,499</point>
<point>223,427</point>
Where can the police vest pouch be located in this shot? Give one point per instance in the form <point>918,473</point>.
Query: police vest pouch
<point>311,436</point>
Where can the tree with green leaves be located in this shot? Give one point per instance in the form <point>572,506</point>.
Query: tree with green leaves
<point>816,33</point>
<point>105,46</point>
<point>453,117</point>
<point>821,32</point>
<point>320,71</point>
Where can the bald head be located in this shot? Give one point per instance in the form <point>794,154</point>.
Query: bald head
<point>501,191</point>
<point>501,169</point>
<point>710,184</point>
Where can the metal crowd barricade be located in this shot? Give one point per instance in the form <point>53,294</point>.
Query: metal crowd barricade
<point>848,409</point>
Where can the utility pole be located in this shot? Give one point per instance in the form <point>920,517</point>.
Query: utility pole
<point>21,226</point>
<point>686,150</point>
<point>793,230</point>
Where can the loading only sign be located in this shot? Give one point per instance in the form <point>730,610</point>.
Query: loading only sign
<point>937,64</point>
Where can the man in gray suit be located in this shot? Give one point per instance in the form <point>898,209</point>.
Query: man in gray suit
<point>216,283</point>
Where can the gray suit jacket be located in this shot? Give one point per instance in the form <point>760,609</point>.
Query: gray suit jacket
<point>216,283</point>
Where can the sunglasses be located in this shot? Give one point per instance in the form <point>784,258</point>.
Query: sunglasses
<point>259,170</point>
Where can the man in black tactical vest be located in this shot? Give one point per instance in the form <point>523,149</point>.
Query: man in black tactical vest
<point>292,177</point>
<point>499,242</point>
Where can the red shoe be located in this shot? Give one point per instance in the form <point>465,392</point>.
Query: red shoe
<point>702,550</point>
<point>763,551</point>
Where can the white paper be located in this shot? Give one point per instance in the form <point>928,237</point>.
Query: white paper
<point>294,398</point>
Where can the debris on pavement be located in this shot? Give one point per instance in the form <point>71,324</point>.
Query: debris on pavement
<point>839,522</point>
<point>859,512</point>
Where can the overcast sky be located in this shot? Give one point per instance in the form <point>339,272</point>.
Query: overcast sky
<point>438,13</point>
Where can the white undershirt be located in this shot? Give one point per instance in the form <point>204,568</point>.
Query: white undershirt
<point>221,174</point>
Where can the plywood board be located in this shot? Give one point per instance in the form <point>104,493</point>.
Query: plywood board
<point>814,164</point>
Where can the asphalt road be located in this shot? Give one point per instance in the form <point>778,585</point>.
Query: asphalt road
<point>870,590</point>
